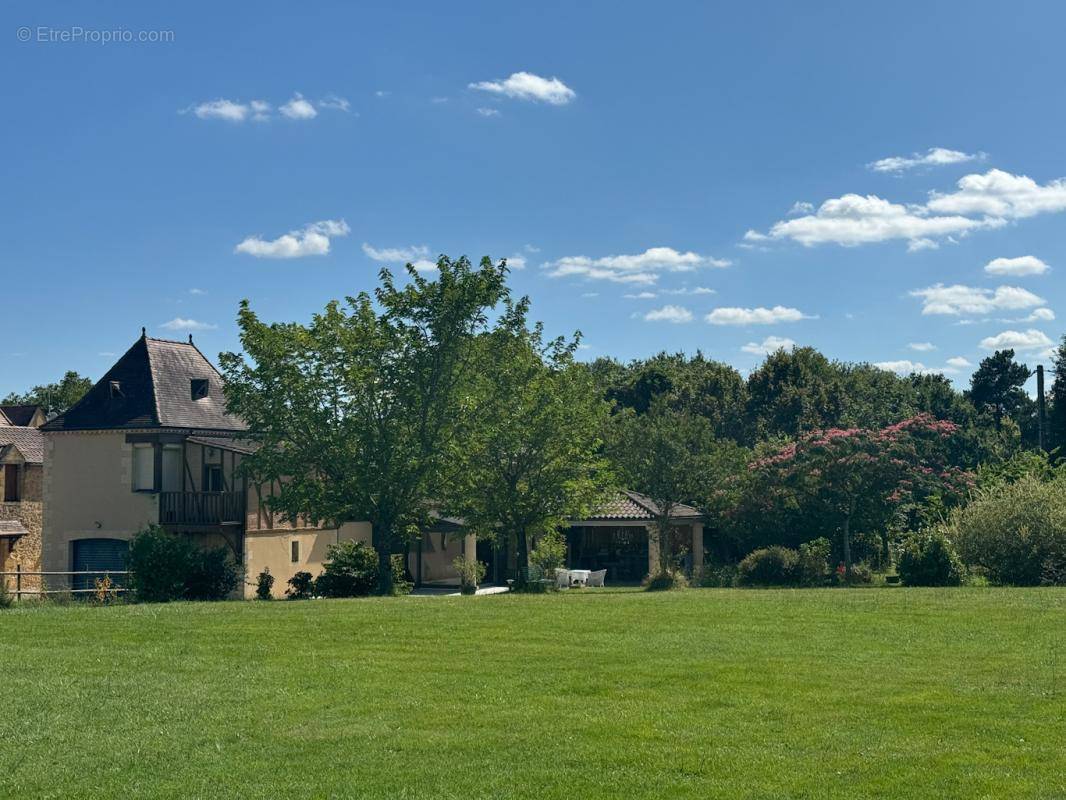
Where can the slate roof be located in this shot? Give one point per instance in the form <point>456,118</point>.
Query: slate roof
<point>28,441</point>
<point>153,380</point>
<point>627,505</point>
<point>19,415</point>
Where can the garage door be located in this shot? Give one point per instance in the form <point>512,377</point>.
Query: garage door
<point>99,555</point>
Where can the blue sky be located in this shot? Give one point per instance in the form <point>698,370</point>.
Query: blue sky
<point>884,183</point>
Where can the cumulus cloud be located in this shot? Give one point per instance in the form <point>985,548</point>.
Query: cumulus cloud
<point>801,207</point>
<point>1022,265</point>
<point>695,290</point>
<point>922,347</point>
<point>335,103</point>
<point>516,262</point>
<point>959,299</point>
<point>675,314</point>
<point>959,362</point>
<point>639,268</point>
<point>230,110</point>
<point>527,86</point>
<point>1040,315</point>
<point>640,296</point>
<point>902,367</point>
<point>934,157</point>
<point>180,324</point>
<point>298,108</point>
<point>771,344</point>
<point>415,255</point>
<point>488,112</point>
<point>311,240</point>
<point>1001,195</point>
<point>1030,339</point>
<point>755,316</point>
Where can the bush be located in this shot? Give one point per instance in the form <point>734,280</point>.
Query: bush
<point>549,553</point>
<point>301,586</point>
<point>212,574</point>
<point>6,598</point>
<point>929,559</point>
<point>158,565</point>
<point>718,575</point>
<point>665,581</point>
<point>400,584</point>
<point>769,566</point>
<point>860,574</point>
<point>812,563</point>
<point>1015,533</point>
<point>264,585</point>
<point>351,570</point>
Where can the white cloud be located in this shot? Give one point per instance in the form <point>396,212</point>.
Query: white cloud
<point>229,110</point>
<point>1031,339</point>
<point>382,93</point>
<point>771,344</point>
<point>590,294</point>
<point>695,290</point>
<point>902,367</point>
<point>516,262</point>
<point>755,316</point>
<point>959,362</point>
<point>260,110</point>
<point>959,299</point>
<point>922,347</point>
<point>298,108</point>
<point>197,291</point>
<point>640,296</point>
<point>675,314</point>
<point>416,255</point>
<point>801,207</point>
<point>488,112</point>
<point>934,157</point>
<point>311,240</point>
<point>1022,265</point>
<point>527,86</point>
<point>640,268</point>
<point>1040,315</point>
<point>1002,195</point>
<point>335,103</point>
<point>179,324</point>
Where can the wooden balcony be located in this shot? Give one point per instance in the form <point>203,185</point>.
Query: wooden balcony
<point>201,508</point>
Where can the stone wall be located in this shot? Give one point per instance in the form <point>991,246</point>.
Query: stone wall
<point>28,550</point>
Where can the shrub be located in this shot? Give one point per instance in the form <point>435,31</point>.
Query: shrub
<point>264,585</point>
<point>665,581</point>
<point>351,570</point>
<point>158,565</point>
<point>860,574</point>
<point>212,574</point>
<point>1015,533</point>
<point>549,553</point>
<point>6,598</point>
<point>301,586</point>
<point>770,566</point>
<point>400,584</point>
<point>812,563</point>
<point>929,559</point>
<point>718,575</point>
<point>471,573</point>
<point>104,592</point>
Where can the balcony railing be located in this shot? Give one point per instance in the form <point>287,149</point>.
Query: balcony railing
<point>201,508</point>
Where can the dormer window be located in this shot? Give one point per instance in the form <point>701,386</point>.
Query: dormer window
<point>199,388</point>
<point>115,388</point>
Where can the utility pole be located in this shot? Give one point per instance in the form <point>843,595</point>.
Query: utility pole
<point>1041,423</point>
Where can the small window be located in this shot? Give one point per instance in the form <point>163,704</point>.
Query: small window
<point>295,551</point>
<point>12,492</point>
<point>115,388</point>
<point>212,477</point>
<point>143,468</point>
<point>199,388</point>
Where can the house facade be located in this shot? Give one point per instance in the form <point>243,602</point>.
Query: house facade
<point>21,490</point>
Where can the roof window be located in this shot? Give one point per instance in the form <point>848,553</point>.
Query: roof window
<point>199,388</point>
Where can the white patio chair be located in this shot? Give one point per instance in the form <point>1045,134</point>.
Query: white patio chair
<point>562,578</point>
<point>596,577</point>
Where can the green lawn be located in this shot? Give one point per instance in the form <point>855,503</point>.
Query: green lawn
<point>707,693</point>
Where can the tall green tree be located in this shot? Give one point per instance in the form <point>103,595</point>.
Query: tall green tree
<point>996,386</point>
<point>1056,413</point>
<point>795,392</point>
<point>55,398</point>
<point>531,455</point>
<point>673,457</point>
<point>358,413</point>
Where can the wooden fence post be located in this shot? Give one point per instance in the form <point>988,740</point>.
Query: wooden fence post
<point>18,582</point>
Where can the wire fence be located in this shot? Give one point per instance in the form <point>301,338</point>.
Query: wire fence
<point>34,583</point>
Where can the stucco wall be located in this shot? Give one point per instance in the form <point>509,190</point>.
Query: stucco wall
<point>272,549</point>
<point>88,493</point>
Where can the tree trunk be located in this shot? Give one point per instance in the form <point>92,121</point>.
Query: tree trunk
<point>847,545</point>
<point>665,534</point>
<point>522,556</point>
<point>383,545</point>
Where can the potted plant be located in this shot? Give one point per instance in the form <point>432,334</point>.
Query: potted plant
<point>471,572</point>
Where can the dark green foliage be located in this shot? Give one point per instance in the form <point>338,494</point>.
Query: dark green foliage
<point>770,566</point>
<point>1056,395</point>
<point>301,586</point>
<point>264,585</point>
<point>666,580</point>
<point>795,392</point>
<point>351,570</point>
<point>6,598</point>
<point>997,384</point>
<point>55,398</point>
<point>400,583</point>
<point>812,563</point>
<point>927,558</point>
<point>165,567</point>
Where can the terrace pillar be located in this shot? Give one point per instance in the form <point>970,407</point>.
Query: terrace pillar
<point>470,547</point>
<point>697,550</point>
<point>653,549</point>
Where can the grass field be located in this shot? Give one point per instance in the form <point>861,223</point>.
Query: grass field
<point>707,693</point>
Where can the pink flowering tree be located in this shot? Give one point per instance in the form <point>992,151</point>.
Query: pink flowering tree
<point>858,477</point>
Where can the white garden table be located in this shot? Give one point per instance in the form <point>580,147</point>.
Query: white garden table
<point>579,577</point>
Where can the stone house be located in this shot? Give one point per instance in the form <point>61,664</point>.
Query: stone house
<point>21,479</point>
